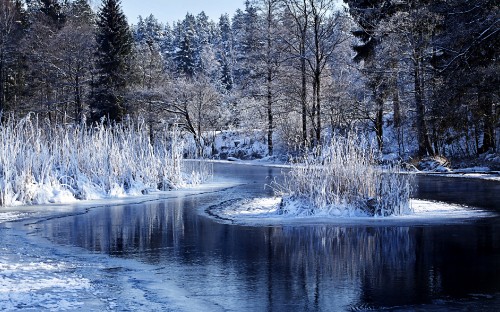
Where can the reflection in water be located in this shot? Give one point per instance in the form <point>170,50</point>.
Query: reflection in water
<point>471,192</point>
<point>358,260</point>
<point>313,267</point>
<point>293,268</point>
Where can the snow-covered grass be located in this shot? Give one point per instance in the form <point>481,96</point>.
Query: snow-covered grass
<point>343,179</point>
<point>45,163</point>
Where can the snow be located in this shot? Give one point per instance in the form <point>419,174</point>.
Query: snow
<point>472,170</point>
<point>31,278</point>
<point>265,211</point>
<point>236,145</point>
<point>38,275</point>
<point>490,176</point>
<point>39,283</point>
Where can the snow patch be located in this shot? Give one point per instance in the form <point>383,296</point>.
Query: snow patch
<point>48,284</point>
<point>10,216</point>
<point>267,211</point>
<point>434,164</point>
<point>472,170</point>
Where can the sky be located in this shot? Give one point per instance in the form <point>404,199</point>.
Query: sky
<point>168,11</point>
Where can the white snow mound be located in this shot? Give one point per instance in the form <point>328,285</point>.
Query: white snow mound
<point>266,211</point>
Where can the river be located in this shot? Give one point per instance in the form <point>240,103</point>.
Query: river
<point>180,259</point>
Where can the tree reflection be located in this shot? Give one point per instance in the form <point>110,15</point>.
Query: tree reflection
<point>293,268</point>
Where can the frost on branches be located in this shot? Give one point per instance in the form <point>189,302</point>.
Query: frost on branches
<point>343,179</point>
<point>44,163</point>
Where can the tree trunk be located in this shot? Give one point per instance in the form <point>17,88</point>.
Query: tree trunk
<point>486,108</point>
<point>303,92</point>
<point>424,145</point>
<point>270,125</point>
<point>318,109</point>
<point>313,116</point>
<point>2,85</point>
<point>379,121</point>
<point>78,100</point>
<point>269,80</point>
<point>396,107</point>
<point>200,139</point>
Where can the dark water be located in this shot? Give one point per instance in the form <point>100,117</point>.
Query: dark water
<point>304,268</point>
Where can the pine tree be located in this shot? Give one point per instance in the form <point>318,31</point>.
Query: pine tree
<point>248,45</point>
<point>369,15</point>
<point>114,46</point>
<point>187,55</point>
<point>225,56</point>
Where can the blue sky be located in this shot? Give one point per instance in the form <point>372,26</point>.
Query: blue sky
<point>174,10</point>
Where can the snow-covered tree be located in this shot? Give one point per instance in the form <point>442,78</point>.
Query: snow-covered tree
<point>194,102</point>
<point>225,52</point>
<point>187,53</point>
<point>248,46</point>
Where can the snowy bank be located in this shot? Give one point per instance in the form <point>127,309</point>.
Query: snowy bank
<point>267,212</point>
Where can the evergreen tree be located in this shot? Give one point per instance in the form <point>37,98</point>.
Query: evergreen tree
<point>408,26</point>
<point>248,39</point>
<point>369,15</point>
<point>53,9</point>
<point>81,10</point>
<point>114,46</point>
<point>224,56</point>
<point>187,55</point>
<point>149,29</point>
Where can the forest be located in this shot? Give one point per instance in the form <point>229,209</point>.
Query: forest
<point>420,77</point>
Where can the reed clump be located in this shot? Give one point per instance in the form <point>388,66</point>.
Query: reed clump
<point>43,163</point>
<point>344,178</point>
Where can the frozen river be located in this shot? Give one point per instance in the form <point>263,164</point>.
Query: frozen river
<point>169,255</point>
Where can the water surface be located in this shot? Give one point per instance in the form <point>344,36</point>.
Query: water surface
<point>301,268</point>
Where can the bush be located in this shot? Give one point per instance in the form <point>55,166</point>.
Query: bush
<point>343,179</point>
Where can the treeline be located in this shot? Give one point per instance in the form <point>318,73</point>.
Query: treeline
<point>437,62</point>
<point>422,74</point>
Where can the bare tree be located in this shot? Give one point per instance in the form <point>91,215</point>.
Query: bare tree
<point>327,34</point>
<point>299,13</point>
<point>10,33</point>
<point>149,78</point>
<point>194,102</point>
<point>273,58</point>
<point>72,54</point>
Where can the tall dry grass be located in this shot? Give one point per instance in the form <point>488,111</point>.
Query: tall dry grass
<point>343,178</point>
<point>42,162</point>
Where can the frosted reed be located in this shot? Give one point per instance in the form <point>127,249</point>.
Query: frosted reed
<point>43,163</point>
<point>343,178</point>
